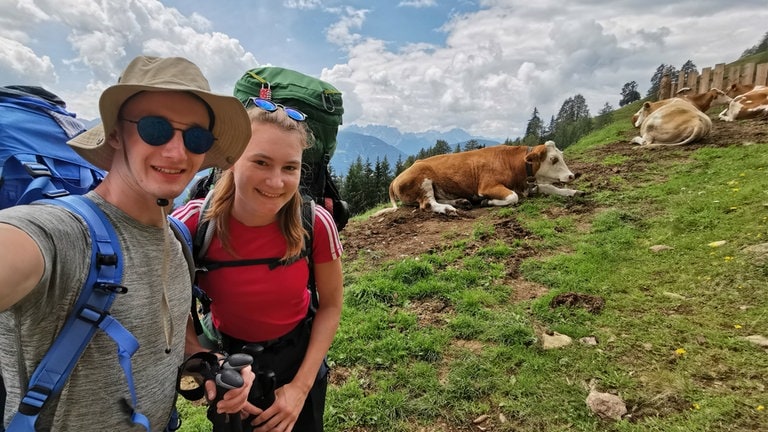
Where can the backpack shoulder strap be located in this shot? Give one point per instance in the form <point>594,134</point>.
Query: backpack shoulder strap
<point>90,313</point>
<point>308,220</point>
<point>185,238</point>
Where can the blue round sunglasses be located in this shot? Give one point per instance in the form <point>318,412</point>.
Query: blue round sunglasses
<point>157,131</point>
<point>268,105</point>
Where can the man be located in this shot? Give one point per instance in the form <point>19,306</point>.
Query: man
<point>160,126</point>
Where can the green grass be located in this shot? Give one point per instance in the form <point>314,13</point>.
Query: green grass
<point>670,336</point>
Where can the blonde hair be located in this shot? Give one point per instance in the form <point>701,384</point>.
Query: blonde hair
<point>289,216</point>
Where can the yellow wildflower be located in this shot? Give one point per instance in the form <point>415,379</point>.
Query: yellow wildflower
<point>737,326</point>
<point>760,408</point>
<point>680,351</point>
<point>728,258</point>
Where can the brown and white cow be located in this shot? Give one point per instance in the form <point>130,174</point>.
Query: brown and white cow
<point>492,175</point>
<point>739,89</point>
<point>670,122</point>
<point>751,104</point>
<point>704,101</point>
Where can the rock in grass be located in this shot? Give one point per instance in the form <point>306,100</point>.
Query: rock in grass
<point>606,405</point>
<point>758,340</point>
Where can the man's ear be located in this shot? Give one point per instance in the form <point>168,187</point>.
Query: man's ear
<point>114,139</point>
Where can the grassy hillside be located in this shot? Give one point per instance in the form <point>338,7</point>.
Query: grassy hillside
<point>657,275</point>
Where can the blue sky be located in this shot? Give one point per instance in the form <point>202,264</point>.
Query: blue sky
<point>417,65</point>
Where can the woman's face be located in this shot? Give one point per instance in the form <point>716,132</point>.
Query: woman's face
<point>267,175</point>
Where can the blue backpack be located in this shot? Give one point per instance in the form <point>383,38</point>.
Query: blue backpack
<point>36,164</point>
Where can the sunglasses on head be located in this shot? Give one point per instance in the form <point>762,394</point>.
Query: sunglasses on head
<point>156,131</point>
<point>268,105</point>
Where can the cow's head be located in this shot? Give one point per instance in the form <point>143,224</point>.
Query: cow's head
<point>641,114</point>
<point>719,97</point>
<point>548,164</point>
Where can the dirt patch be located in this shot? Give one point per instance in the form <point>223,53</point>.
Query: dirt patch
<point>592,304</point>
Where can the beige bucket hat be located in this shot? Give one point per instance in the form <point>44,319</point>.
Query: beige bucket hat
<point>231,128</point>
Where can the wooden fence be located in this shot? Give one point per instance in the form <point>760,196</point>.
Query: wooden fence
<point>719,76</point>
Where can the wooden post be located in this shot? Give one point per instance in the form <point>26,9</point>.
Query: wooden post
<point>680,81</point>
<point>761,74</point>
<point>691,81</point>
<point>747,74</point>
<point>733,75</point>
<point>665,87</point>
<point>704,80</point>
<point>717,76</point>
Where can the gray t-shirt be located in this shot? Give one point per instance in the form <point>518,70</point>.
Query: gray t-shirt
<point>96,397</point>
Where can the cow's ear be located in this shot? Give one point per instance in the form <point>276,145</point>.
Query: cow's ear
<point>647,105</point>
<point>537,154</point>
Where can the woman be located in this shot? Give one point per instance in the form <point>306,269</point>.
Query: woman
<point>256,210</point>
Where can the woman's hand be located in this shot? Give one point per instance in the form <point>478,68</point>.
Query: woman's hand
<point>282,415</point>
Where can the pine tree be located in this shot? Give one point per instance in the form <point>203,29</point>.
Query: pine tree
<point>629,94</point>
<point>663,69</point>
<point>688,68</point>
<point>399,166</point>
<point>534,129</point>
<point>605,116</point>
<point>472,145</point>
<point>573,121</point>
<point>440,147</point>
<point>383,177</point>
<point>354,189</point>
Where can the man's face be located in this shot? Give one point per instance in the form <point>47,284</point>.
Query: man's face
<point>161,171</point>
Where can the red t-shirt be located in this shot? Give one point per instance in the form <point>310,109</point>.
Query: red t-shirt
<point>254,303</point>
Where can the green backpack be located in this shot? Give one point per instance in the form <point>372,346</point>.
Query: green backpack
<point>322,104</point>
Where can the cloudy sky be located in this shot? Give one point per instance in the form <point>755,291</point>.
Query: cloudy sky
<point>417,65</point>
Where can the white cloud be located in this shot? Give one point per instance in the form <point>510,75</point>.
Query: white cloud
<point>303,4</point>
<point>500,62</point>
<point>23,65</point>
<point>342,32</point>
<point>417,3</point>
<point>105,35</point>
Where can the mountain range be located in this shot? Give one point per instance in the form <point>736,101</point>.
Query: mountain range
<point>375,142</point>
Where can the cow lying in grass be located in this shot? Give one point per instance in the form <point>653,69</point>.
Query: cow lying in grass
<point>491,176</point>
<point>752,104</point>
<point>670,122</point>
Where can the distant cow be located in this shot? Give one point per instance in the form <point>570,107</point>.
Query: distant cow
<point>670,122</point>
<point>739,89</point>
<point>704,101</point>
<point>752,104</point>
<point>492,175</point>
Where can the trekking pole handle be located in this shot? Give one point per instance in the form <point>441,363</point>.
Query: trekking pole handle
<point>237,361</point>
<point>227,379</point>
